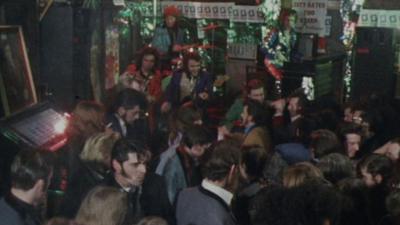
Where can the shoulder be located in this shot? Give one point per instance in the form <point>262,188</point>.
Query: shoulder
<point>8,215</point>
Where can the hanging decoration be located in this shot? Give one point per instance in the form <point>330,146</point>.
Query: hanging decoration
<point>270,9</point>
<point>91,4</point>
<point>349,10</point>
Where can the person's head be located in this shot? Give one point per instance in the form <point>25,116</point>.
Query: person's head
<point>152,220</point>
<point>351,137</point>
<point>129,160</point>
<point>31,172</point>
<point>148,59</point>
<point>223,164</point>
<point>187,116</point>
<point>310,203</point>
<point>103,206</point>
<point>287,18</point>
<point>393,150</point>
<point>97,150</point>
<point>195,141</point>
<point>355,200</point>
<point>254,159</point>
<point>171,14</point>
<point>253,113</point>
<point>255,90</point>
<point>323,142</point>
<point>296,103</point>
<point>60,221</point>
<point>336,167</point>
<point>299,173</point>
<point>130,105</point>
<point>375,169</point>
<point>87,119</point>
<point>192,63</point>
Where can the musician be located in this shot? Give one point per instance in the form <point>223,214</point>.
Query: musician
<point>191,83</point>
<point>144,76</point>
<point>169,38</point>
<point>280,42</point>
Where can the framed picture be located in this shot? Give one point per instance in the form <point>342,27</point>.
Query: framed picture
<point>17,89</point>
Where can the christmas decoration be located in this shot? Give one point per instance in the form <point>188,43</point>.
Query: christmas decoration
<point>349,10</point>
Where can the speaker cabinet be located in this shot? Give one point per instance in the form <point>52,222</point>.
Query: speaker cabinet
<point>373,63</point>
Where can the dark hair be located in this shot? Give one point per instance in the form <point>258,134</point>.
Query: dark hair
<point>303,102</point>
<point>254,159</point>
<point>355,202</point>
<point>224,155</point>
<point>336,167</point>
<point>309,204</point>
<point>129,98</point>
<point>324,142</point>
<point>349,128</point>
<point>257,111</point>
<point>195,135</point>
<point>147,51</point>
<point>376,164</point>
<point>190,56</point>
<point>123,147</point>
<point>284,14</point>
<point>29,167</point>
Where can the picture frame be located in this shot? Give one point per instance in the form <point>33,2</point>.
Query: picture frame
<point>17,89</point>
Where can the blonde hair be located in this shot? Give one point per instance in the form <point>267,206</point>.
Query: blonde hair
<point>61,221</point>
<point>96,207</point>
<point>299,173</point>
<point>87,119</point>
<point>98,148</point>
<point>152,220</point>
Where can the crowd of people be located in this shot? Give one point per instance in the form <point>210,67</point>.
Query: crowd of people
<point>151,156</point>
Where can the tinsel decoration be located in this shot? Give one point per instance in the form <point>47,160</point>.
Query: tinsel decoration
<point>349,10</point>
<point>244,33</point>
<point>91,4</point>
<point>270,9</point>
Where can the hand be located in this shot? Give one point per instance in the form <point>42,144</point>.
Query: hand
<point>223,131</point>
<point>279,106</point>
<point>165,107</point>
<point>203,95</point>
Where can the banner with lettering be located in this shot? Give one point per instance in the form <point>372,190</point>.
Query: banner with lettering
<point>217,10</point>
<point>247,14</point>
<point>379,18</point>
<point>242,51</point>
<point>311,16</point>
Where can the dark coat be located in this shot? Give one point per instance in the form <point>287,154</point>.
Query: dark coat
<point>16,212</point>
<point>203,84</point>
<point>153,198</point>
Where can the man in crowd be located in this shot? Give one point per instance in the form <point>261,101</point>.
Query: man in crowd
<point>30,178</point>
<point>254,121</point>
<point>254,91</point>
<point>180,166</point>
<point>351,136</point>
<point>146,191</point>
<point>128,112</point>
<point>210,203</point>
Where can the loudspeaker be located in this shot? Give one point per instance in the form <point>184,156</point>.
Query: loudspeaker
<point>56,54</point>
<point>373,63</point>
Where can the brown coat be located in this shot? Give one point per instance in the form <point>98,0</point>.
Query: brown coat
<point>259,136</point>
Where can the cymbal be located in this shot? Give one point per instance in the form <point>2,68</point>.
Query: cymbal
<point>211,26</point>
